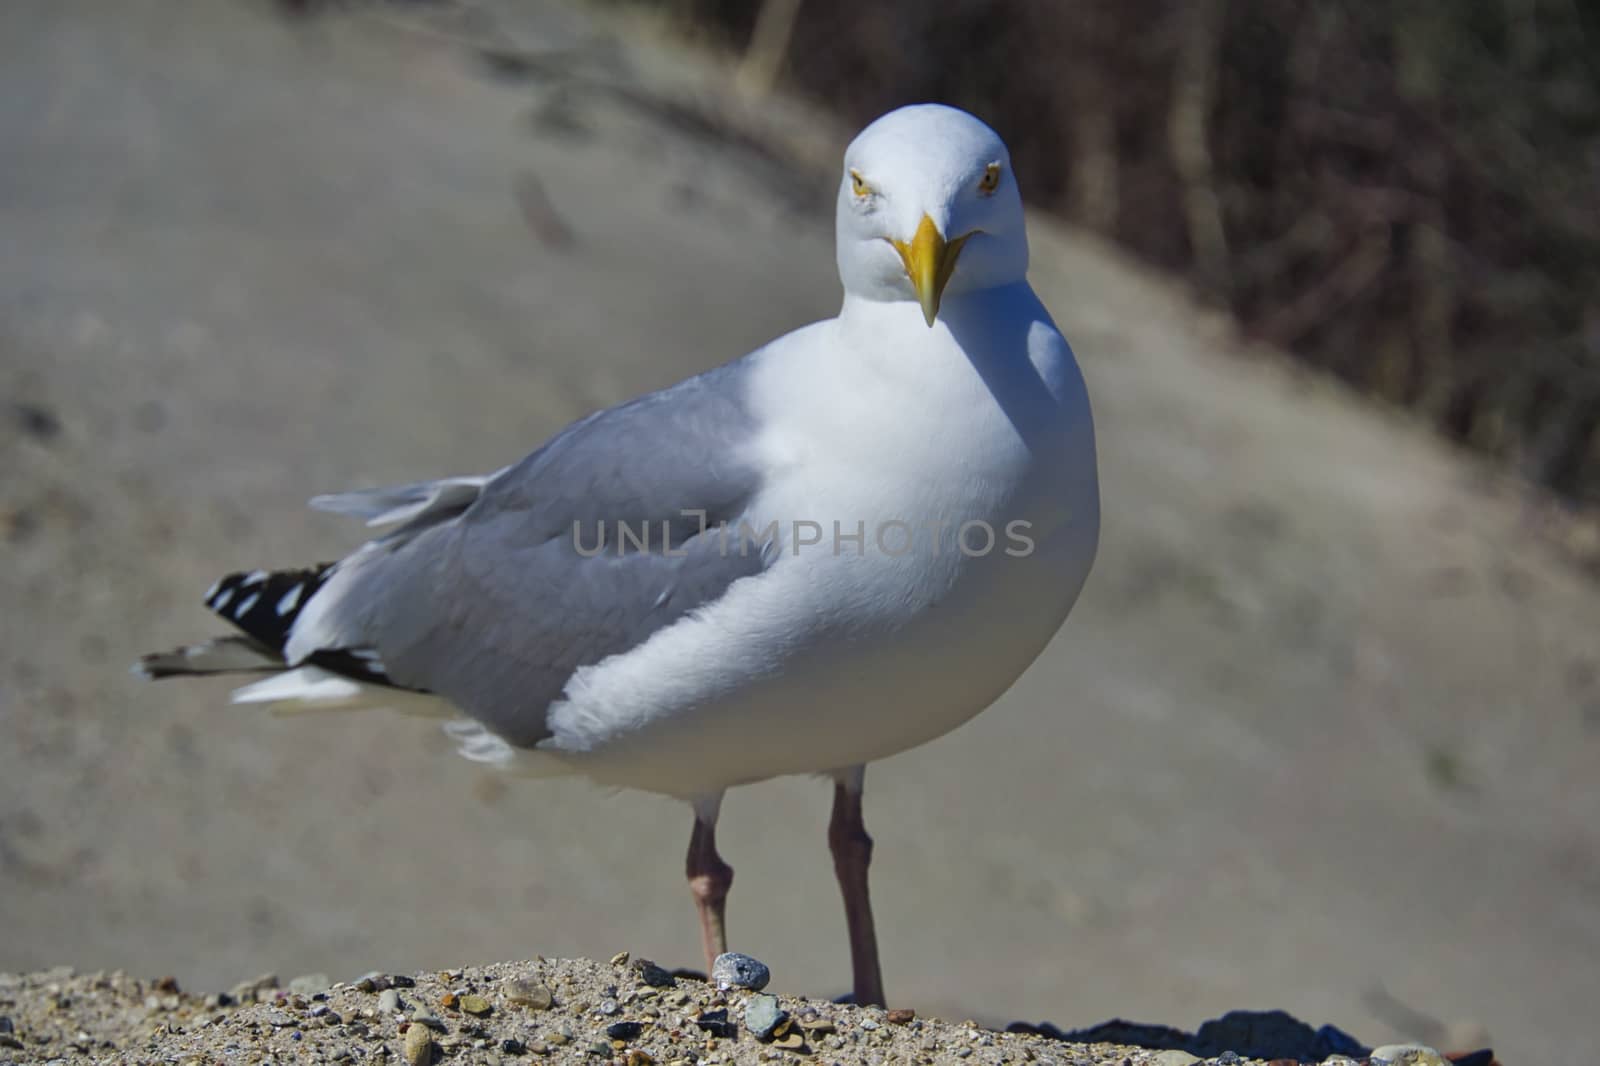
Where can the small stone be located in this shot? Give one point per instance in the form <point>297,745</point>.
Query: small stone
<point>624,1030</point>
<point>388,1001</point>
<point>373,981</point>
<point>716,1023</point>
<point>561,1037</point>
<point>792,1041</point>
<point>640,1058</point>
<point>527,993</point>
<point>609,1007</point>
<point>1406,1055</point>
<point>512,1046</point>
<point>419,1045</point>
<point>901,1016</point>
<point>400,980</point>
<point>733,970</point>
<point>255,989</point>
<point>653,975</point>
<point>600,1051</point>
<point>310,984</point>
<point>1174,1057</point>
<point>619,958</point>
<point>762,1015</point>
<point>448,1001</point>
<point>475,1005</point>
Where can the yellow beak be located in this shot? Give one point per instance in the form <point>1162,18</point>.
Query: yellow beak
<point>929,260</point>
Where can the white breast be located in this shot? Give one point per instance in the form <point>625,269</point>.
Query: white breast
<point>875,638</point>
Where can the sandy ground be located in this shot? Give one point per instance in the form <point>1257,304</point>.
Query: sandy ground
<point>1322,734</point>
<point>626,1011</point>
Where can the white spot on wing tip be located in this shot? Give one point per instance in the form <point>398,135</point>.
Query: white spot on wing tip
<point>245,605</point>
<point>254,577</point>
<point>291,599</point>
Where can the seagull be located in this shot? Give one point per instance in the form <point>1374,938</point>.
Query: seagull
<point>833,549</point>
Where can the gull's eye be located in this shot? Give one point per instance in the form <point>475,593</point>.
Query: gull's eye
<point>990,181</point>
<point>859,184</point>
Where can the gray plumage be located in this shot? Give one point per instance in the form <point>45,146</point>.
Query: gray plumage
<point>494,591</point>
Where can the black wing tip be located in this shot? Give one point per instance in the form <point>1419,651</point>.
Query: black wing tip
<point>266,603</point>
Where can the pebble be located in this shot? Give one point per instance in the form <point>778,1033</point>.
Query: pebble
<point>250,991</point>
<point>373,981</point>
<point>1406,1055</point>
<point>619,958</point>
<point>310,984</point>
<point>733,970</point>
<point>609,1007</point>
<point>762,1015</point>
<point>526,993</point>
<point>716,1023</point>
<point>422,1016</point>
<point>1174,1057</point>
<point>475,1005</point>
<point>901,1016</point>
<point>388,1001</point>
<point>419,1045</point>
<point>654,975</point>
<point>624,1030</point>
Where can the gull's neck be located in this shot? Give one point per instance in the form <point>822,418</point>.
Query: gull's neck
<point>958,309</point>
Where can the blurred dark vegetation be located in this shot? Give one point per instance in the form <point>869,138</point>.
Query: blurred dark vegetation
<point>1406,195</point>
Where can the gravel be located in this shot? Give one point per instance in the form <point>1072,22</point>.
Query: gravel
<point>541,1011</point>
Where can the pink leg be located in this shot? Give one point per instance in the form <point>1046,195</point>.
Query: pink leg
<point>709,880</point>
<point>852,853</point>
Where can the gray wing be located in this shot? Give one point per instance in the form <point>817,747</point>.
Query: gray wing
<point>495,590</point>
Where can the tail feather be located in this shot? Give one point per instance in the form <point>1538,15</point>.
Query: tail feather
<point>265,604</point>
<point>220,655</point>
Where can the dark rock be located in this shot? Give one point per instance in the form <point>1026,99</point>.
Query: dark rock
<point>733,970</point>
<point>653,975</point>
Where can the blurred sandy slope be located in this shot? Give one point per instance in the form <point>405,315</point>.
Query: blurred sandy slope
<point>1322,735</point>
